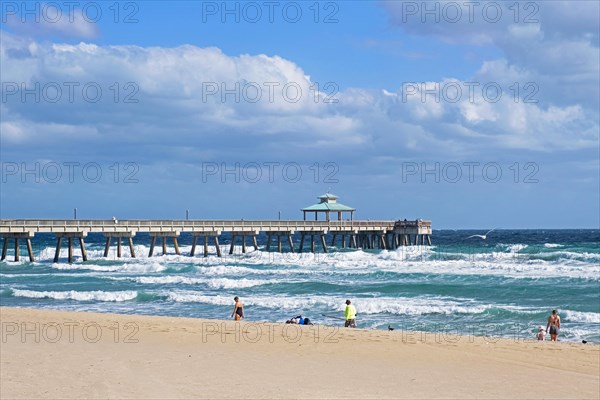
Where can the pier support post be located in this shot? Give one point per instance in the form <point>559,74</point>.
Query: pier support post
<point>16,236</point>
<point>243,233</point>
<point>206,235</point>
<point>131,249</point>
<point>333,237</point>
<point>269,241</point>
<point>57,251</point>
<point>279,244</point>
<point>119,253</point>
<point>30,250</point>
<point>70,241</point>
<point>232,244</point>
<point>119,236</point>
<point>163,236</point>
<point>323,243</point>
<point>312,233</point>
<point>152,244</point>
<point>291,243</point>
<point>217,246</point>
<point>70,236</point>
<point>194,242</point>
<point>176,245</point>
<point>106,245</point>
<point>4,249</point>
<point>17,249</point>
<point>82,247</point>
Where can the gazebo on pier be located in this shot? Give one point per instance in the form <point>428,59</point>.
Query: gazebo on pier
<point>328,204</point>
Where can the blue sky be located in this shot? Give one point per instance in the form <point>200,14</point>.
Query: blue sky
<point>472,115</point>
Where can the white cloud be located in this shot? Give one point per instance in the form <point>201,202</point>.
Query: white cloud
<point>49,19</point>
<point>177,116</point>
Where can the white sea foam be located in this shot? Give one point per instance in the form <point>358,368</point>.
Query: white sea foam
<point>412,259</point>
<point>360,263</point>
<point>218,283</point>
<point>515,248</point>
<point>398,306</point>
<point>577,316</point>
<point>127,267</point>
<point>552,245</point>
<point>97,295</point>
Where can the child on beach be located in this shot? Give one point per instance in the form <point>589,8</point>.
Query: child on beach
<point>541,333</point>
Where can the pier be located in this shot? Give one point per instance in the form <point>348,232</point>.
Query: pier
<point>388,234</point>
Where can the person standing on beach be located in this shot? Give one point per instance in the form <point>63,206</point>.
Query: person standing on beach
<point>238,309</point>
<point>554,324</point>
<point>350,315</point>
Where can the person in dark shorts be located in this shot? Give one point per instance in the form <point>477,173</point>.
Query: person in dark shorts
<point>350,315</point>
<point>554,325</point>
<point>238,309</point>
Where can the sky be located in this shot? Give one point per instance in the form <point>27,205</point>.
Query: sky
<point>470,114</point>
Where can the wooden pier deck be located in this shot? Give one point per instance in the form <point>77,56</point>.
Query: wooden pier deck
<point>385,234</point>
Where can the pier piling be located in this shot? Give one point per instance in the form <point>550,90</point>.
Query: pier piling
<point>70,236</point>
<point>206,235</point>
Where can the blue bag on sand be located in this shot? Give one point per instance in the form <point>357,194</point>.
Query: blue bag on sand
<point>301,321</point>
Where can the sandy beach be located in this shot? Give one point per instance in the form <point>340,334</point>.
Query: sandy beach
<point>59,354</point>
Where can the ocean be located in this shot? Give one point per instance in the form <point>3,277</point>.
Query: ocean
<point>504,286</point>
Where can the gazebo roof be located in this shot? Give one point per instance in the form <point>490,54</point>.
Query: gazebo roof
<point>328,202</point>
<point>328,207</point>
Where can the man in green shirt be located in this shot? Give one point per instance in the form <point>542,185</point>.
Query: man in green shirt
<point>350,314</point>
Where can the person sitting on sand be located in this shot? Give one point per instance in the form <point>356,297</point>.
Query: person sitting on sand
<point>238,309</point>
<point>299,320</point>
<point>541,333</point>
<point>554,324</point>
<point>295,320</point>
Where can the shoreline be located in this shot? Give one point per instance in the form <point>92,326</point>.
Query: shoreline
<point>437,336</point>
<point>67,354</point>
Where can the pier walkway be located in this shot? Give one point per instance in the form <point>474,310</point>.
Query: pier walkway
<point>385,234</point>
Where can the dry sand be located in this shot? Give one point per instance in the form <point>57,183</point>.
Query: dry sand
<point>58,354</point>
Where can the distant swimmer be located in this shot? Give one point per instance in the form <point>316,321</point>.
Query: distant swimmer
<point>482,236</point>
<point>350,315</point>
<point>554,325</point>
<point>238,309</point>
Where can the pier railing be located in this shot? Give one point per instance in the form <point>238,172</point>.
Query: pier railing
<point>54,225</point>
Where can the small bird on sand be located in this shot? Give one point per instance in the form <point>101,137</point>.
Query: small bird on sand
<point>482,236</point>
<point>390,328</point>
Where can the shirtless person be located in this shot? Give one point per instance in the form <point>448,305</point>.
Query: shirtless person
<point>238,309</point>
<point>554,324</point>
